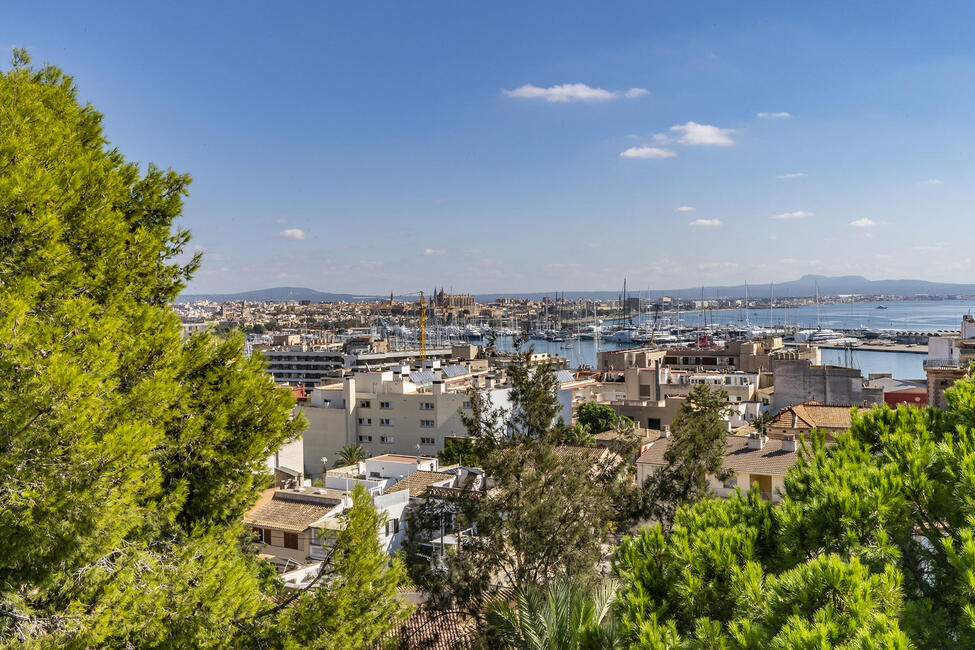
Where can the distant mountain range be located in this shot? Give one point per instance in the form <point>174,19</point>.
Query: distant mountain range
<point>803,287</point>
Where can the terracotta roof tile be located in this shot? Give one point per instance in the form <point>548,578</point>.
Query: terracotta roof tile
<point>771,459</point>
<point>419,481</point>
<point>287,515</point>
<point>812,415</point>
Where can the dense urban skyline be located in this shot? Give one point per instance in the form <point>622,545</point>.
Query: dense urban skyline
<point>513,148</point>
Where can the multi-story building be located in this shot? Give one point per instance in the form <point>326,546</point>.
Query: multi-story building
<point>802,381</point>
<point>404,411</point>
<point>310,365</point>
<point>948,361</point>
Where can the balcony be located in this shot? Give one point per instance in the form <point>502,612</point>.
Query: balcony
<point>953,364</point>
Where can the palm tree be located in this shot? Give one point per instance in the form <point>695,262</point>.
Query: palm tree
<point>350,455</point>
<point>564,616</point>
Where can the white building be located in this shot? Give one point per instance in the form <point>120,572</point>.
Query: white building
<point>401,411</point>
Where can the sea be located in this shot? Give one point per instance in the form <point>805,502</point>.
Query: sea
<point>921,315</point>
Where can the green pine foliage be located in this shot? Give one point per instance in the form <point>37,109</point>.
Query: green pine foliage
<point>872,546</point>
<point>547,512</point>
<point>356,604</point>
<point>127,456</point>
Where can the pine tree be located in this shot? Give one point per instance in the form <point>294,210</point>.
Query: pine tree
<point>356,602</point>
<point>127,457</point>
<point>696,450</point>
<point>873,545</point>
<point>548,509</point>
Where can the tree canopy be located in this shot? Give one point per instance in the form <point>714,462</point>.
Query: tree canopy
<point>873,545</point>
<point>127,457</point>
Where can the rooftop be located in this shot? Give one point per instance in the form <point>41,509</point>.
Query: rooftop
<point>397,458</point>
<point>738,456</point>
<point>813,415</point>
<point>293,515</point>
<point>419,481</point>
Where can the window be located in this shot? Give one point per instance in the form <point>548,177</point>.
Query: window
<point>392,527</point>
<point>291,540</point>
<point>731,482</point>
<point>364,404</point>
<point>653,423</point>
<point>365,438</point>
<point>426,406</point>
<point>386,439</point>
<point>263,536</point>
<point>384,405</point>
<point>386,422</point>
<point>426,441</point>
<point>366,421</point>
<point>428,424</point>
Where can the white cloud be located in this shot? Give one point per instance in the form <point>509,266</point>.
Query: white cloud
<point>705,222</point>
<point>773,116</point>
<point>936,247</point>
<point>962,265</point>
<point>718,266</point>
<point>863,223</point>
<point>703,134</point>
<point>562,93</point>
<point>294,233</point>
<point>433,251</point>
<point>685,208</point>
<point>647,152</point>
<point>280,222</point>
<point>933,181</point>
<point>793,175</point>
<point>798,214</point>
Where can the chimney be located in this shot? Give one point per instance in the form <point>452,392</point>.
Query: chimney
<point>489,382</point>
<point>788,442</point>
<point>755,441</point>
<point>438,386</point>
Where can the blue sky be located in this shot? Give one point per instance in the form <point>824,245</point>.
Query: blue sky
<point>370,147</point>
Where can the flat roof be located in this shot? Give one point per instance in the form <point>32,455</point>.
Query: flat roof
<point>396,458</point>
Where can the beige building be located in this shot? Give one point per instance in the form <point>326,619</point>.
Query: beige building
<point>755,461</point>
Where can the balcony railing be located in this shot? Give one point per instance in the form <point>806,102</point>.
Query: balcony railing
<point>944,363</point>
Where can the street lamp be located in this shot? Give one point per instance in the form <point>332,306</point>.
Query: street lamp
<point>324,469</point>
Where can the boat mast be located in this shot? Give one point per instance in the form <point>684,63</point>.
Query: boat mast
<point>771,298</point>
<point>819,315</point>
<point>747,324</point>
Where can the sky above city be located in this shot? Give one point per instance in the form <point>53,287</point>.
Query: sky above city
<point>489,147</point>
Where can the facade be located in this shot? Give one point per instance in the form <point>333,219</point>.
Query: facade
<point>948,361</point>
<point>404,412</point>
<point>800,381</point>
<point>311,365</point>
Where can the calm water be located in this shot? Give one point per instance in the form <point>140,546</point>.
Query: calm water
<point>920,316</point>
<point>903,365</point>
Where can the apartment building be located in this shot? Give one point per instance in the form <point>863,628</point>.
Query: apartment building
<point>405,411</point>
<point>310,365</point>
